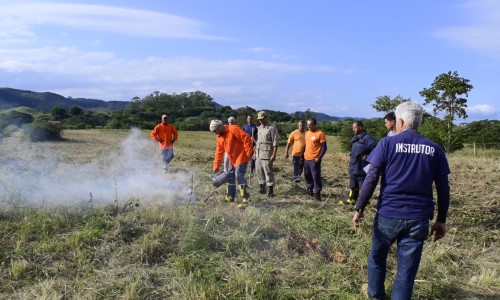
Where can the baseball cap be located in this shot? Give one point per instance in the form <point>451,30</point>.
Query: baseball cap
<point>261,115</point>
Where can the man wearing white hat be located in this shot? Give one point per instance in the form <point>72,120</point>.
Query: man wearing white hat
<point>238,146</point>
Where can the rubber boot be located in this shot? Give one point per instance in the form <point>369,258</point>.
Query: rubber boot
<point>262,188</point>
<point>271,192</point>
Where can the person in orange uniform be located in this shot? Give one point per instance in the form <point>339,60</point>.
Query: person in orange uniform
<point>238,146</point>
<point>315,149</point>
<point>166,135</point>
<point>297,142</point>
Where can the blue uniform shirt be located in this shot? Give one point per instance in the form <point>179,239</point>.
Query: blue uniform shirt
<point>409,164</point>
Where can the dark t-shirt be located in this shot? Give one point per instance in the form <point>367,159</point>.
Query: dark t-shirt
<point>410,163</point>
<point>248,129</point>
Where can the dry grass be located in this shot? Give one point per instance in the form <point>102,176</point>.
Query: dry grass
<point>111,248</point>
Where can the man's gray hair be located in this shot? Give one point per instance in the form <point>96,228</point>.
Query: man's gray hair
<point>411,112</point>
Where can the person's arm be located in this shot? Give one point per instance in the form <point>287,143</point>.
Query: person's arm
<point>154,135</point>
<point>366,193</point>
<point>322,151</point>
<point>219,155</point>
<point>275,143</point>
<point>438,229</point>
<point>286,150</point>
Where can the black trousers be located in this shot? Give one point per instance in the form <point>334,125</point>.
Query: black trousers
<point>312,174</point>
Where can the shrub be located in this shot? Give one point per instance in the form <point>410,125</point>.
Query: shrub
<point>43,131</point>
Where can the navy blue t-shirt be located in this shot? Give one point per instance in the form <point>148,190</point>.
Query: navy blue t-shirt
<point>249,128</point>
<point>409,165</point>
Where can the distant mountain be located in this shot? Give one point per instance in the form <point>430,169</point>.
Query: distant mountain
<point>323,117</point>
<point>44,102</point>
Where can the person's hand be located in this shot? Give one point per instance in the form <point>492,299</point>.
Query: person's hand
<point>317,160</point>
<point>160,141</point>
<point>273,158</point>
<point>216,171</point>
<point>356,219</point>
<point>172,141</point>
<point>286,155</point>
<point>439,230</point>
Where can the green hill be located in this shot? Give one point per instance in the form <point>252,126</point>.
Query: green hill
<point>45,101</point>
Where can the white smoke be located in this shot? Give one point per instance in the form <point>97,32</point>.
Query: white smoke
<point>133,172</point>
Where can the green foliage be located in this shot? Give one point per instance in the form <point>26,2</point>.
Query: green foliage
<point>58,113</point>
<point>386,104</point>
<point>446,92</point>
<point>484,133</point>
<point>39,131</point>
<point>14,117</point>
<point>76,110</point>
<point>435,129</point>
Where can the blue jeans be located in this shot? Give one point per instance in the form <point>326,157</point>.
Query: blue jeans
<point>237,175</point>
<point>410,236</point>
<point>167,155</point>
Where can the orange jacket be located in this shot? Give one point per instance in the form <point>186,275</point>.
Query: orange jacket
<point>164,134</point>
<point>236,143</point>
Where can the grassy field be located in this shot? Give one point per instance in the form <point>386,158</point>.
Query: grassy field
<point>93,217</point>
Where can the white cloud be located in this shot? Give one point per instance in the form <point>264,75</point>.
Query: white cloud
<point>18,20</point>
<point>484,109</point>
<point>482,33</point>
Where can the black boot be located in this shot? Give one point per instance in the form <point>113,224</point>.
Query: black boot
<point>262,188</point>
<point>310,191</point>
<point>317,196</point>
<point>271,193</point>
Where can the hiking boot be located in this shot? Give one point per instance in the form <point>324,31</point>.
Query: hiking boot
<point>262,188</point>
<point>341,202</point>
<point>271,192</point>
<point>310,191</point>
<point>229,199</point>
<point>317,196</point>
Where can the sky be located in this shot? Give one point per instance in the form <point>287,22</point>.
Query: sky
<point>329,56</point>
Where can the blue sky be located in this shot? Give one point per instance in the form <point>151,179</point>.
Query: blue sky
<point>334,57</point>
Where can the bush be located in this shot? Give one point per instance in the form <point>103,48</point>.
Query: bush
<point>43,131</point>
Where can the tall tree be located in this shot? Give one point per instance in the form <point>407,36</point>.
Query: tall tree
<point>386,104</point>
<point>449,93</point>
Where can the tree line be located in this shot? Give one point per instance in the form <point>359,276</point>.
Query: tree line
<point>192,111</point>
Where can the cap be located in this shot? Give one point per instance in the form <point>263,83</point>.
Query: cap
<point>261,115</point>
<point>214,124</point>
<point>164,116</point>
<point>231,120</point>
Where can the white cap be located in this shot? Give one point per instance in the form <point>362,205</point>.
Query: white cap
<point>214,124</point>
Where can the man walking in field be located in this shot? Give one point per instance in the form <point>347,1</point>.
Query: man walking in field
<point>238,146</point>
<point>313,154</point>
<point>297,141</point>
<point>265,153</point>
<point>408,165</point>
<point>166,135</point>
<point>361,145</point>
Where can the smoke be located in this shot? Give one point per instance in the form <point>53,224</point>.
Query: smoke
<point>131,171</point>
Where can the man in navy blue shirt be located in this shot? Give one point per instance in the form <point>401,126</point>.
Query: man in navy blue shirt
<point>361,145</point>
<point>251,129</point>
<point>408,164</point>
